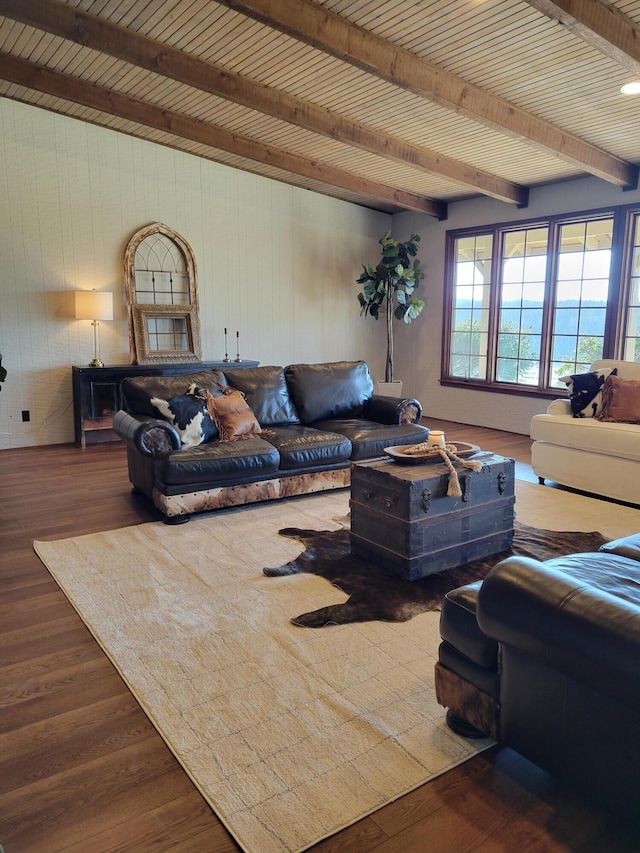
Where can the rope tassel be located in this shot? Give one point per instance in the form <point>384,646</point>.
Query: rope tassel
<point>449,456</point>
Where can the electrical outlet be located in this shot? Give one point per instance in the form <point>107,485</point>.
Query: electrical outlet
<point>26,415</point>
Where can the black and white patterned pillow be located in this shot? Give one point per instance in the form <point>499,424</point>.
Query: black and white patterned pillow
<point>585,391</point>
<point>188,413</point>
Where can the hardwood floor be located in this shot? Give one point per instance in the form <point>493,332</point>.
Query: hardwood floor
<point>81,768</point>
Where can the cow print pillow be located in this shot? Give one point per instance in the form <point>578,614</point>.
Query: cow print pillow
<point>188,413</point>
<point>585,391</point>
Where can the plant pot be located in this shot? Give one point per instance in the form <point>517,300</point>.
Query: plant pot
<point>389,389</point>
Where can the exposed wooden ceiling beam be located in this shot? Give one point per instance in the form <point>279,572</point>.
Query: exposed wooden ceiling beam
<point>599,24</point>
<point>24,73</point>
<point>91,31</point>
<point>333,34</point>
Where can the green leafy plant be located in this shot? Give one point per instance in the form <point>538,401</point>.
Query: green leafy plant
<point>389,288</point>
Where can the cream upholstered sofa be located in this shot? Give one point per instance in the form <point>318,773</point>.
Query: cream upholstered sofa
<point>598,457</point>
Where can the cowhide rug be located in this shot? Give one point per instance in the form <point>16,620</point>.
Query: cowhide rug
<point>376,594</point>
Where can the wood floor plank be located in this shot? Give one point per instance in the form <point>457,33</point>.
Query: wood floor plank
<point>32,640</point>
<point>20,672</point>
<point>20,592</point>
<point>403,813</point>
<point>184,824</point>
<point>364,835</point>
<point>31,610</point>
<point>74,804</point>
<point>497,800</point>
<point>56,744</point>
<point>83,771</point>
<point>80,686</point>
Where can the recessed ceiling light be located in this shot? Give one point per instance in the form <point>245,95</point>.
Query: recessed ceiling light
<point>631,88</point>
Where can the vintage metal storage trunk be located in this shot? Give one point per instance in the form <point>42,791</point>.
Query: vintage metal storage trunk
<point>402,518</point>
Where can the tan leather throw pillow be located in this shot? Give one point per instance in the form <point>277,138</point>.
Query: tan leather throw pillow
<point>232,415</point>
<point>620,400</point>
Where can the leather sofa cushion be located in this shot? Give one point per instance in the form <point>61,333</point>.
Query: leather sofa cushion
<point>628,546</point>
<point>459,627</point>
<point>337,389</point>
<point>266,392</point>
<point>369,439</point>
<point>218,461</point>
<point>612,574</point>
<point>137,391</point>
<point>304,447</point>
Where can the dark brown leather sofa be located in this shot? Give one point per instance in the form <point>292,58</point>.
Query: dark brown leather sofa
<point>317,419</point>
<point>545,658</point>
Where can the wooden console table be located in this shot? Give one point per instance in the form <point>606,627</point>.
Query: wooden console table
<point>97,396</point>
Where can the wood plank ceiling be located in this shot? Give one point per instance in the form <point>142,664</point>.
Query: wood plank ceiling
<point>393,104</point>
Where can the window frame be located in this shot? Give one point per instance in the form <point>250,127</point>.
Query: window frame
<point>623,217</point>
<point>148,354</point>
<point>139,314</point>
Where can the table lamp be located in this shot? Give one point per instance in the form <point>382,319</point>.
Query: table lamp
<point>94,305</point>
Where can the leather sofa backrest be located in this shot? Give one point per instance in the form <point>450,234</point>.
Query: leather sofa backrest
<point>336,389</point>
<point>137,391</point>
<point>266,392</point>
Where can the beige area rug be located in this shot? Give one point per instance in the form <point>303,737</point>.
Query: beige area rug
<point>290,734</point>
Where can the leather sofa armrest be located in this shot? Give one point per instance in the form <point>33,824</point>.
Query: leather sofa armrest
<point>585,633</point>
<point>147,435</point>
<point>392,410</point>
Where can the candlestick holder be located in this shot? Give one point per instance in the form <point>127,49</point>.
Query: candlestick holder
<point>238,347</point>
<point>226,358</point>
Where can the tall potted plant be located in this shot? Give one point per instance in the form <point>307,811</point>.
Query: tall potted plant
<point>389,288</point>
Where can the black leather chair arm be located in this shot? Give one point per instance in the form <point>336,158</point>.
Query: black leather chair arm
<point>589,635</point>
<point>392,410</point>
<point>148,435</point>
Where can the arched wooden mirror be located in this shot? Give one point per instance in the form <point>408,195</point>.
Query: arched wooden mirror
<point>162,298</point>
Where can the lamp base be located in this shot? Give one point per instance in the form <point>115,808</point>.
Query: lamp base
<point>96,363</point>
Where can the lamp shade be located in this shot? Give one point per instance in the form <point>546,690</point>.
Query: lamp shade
<point>94,305</point>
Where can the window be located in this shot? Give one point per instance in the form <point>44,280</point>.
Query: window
<point>472,271</point>
<point>523,266</point>
<point>160,278</point>
<point>582,296</point>
<point>530,302</point>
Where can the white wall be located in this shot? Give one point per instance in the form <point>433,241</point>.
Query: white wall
<point>275,262</point>
<point>418,346</point>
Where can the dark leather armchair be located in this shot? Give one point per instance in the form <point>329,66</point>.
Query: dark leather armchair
<point>545,658</point>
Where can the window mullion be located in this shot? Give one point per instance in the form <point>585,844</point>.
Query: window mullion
<point>495,291</point>
<point>548,308</point>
